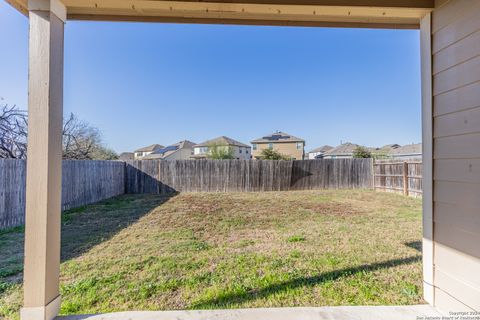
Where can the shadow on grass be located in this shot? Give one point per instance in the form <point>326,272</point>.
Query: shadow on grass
<point>82,229</point>
<point>238,298</point>
<point>85,227</point>
<point>417,245</point>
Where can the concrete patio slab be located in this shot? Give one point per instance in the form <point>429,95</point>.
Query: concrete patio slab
<point>321,313</point>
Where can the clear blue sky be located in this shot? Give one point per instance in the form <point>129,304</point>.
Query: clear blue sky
<point>161,83</point>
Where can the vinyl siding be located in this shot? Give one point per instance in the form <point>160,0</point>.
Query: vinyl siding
<point>456,153</point>
<point>285,148</point>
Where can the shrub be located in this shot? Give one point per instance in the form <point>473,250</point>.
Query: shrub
<point>270,154</point>
<point>361,152</point>
<point>220,151</point>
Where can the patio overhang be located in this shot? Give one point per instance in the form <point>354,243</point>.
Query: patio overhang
<point>450,85</point>
<point>398,14</point>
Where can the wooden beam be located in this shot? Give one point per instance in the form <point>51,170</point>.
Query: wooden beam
<point>351,3</point>
<point>44,163</point>
<point>20,5</point>
<point>245,13</point>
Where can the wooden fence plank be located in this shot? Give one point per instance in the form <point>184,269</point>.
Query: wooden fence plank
<point>246,175</point>
<point>399,177</point>
<point>83,182</point>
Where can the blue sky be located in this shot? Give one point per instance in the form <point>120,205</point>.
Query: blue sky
<point>161,83</point>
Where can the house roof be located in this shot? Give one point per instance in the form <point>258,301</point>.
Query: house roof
<point>278,137</point>
<point>126,156</point>
<point>150,148</point>
<point>409,149</point>
<point>223,140</point>
<point>165,152</point>
<point>343,149</point>
<point>390,146</point>
<point>324,148</point>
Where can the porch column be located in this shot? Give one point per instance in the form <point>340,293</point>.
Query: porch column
<point>44,160</point>
<point>427,152</point>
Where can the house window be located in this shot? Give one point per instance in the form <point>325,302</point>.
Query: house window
<point>201,150</point>
<point>139,154</point>
<point>239,150</point>
<point>246,151</point>
<point>270,146</point>
<point>254,146</point>
<point>299,145</point>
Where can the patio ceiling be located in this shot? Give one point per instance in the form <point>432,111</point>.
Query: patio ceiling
<point>335,13</point>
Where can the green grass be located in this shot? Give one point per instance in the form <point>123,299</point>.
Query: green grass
<point>238,250</point>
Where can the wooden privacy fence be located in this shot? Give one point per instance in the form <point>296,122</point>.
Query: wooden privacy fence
<point>83,182</point>
<point>398,176</point>
<point>157,176</point>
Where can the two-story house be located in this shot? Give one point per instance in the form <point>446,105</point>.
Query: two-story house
<point>281,142</point>
<point>142,152</point>
<point>239,150</point>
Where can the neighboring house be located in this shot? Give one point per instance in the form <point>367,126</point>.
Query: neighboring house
<point>240,150</point>
<point>182,150</point>
<point>142,152</point>
<point>407,152</point>
<point>125,156</point>
<point>281,142</point>
<point>319,153</point>
<point>343,151</point>
<point>384,152</point>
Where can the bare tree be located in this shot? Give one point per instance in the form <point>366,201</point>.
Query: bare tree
<point>81,141</point>
<point>13,132</point>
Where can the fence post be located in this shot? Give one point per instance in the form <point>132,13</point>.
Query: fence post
<point>373,173</point>
<point>405,178</point>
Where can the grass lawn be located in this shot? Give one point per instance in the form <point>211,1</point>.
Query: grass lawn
<point>204,251</point>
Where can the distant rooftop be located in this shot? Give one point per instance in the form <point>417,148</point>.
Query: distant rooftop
<point>150,148</point>
<point>166,151</point>
<point>278,137</point>
<point>223,140</point>
<point>324,148</point>
<point>346,148</point>
<point>409,149</point>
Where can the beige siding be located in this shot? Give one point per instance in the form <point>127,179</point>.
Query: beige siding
<point>285,148</point>
<point>456,145</point>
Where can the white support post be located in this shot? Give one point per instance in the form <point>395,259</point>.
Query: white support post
<point>427,137</point>
<point>44,160</point>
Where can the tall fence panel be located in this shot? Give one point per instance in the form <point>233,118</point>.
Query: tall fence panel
<point>83,182</point>
<point>12,193</point>
<point>399,176</point>
<point>156,176</point>
<point>332,174</point>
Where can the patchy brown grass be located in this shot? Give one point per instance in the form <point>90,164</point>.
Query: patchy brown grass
<point>213,250</point>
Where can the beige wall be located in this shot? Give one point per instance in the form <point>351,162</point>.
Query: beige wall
<point>286,148</point>
<point>456,154</point>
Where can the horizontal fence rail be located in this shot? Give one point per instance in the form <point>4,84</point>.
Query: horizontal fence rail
<point>403,177</point>
<point>157,176</point>
<point>83,182</point>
